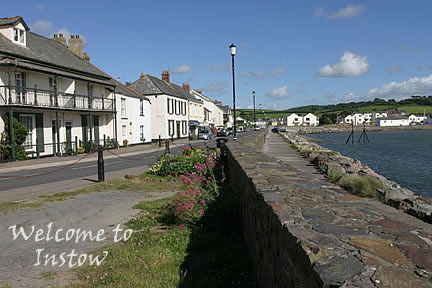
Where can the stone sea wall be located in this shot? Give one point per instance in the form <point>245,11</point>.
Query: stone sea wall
<point>304,232</point>
<point>392,193</point>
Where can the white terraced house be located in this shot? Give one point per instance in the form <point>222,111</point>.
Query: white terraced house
<point>301,120</point>
<point>213,114</point>
<point>169,106</point>
<point>61,99</point>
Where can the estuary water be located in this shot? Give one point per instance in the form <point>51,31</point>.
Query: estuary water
<point>402,156</point>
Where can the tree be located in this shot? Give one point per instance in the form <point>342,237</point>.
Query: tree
<point>325,120</point>
<point>20,135</point>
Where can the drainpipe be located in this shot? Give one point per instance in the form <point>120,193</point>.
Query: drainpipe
<point>11,135</point>
<point>58,133</point>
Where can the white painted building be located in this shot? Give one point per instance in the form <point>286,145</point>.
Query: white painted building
<point>134,124</point>
<point>359,118</point>
<point>214,115</point>
<point>169,106</point>
<point>417,119</point>
<point>53,90</point>
<point>301,120</point>
<point>392,121</point>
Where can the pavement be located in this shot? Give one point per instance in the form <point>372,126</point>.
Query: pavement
<point>89,212</point>
<point>59,174</point>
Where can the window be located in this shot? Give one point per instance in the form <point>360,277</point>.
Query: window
<point>19,36</point>
<point>124,132</point>
<point>181,107</point>
<point>141,107</point>
<point>170,127</point>
<point>28,122</point>
<point>170,106</point>
<point>176,107</point>
<point>142,133</point>
<point>123,107</point>
<point>184,108</point>
<point>184,127</point>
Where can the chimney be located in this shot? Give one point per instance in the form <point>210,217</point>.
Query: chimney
<point>86,57</point>
<point>186,87</point>
<point>59,38</point>
<point>142,75</point>
<point>76,45</point>
<point>165,76</point>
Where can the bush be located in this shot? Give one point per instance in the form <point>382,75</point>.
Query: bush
<point>334,176</point>
<point>20,134</point>
<point>363,186</point>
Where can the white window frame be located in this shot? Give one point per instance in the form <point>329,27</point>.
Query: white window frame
<point>19,36</point>
<point>142,133</point>
<point>141,107</point>
<point>123,107</point>
<point>124,132</point>
<point>32,133</point>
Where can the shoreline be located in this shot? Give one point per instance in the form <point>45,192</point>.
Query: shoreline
<point>393,193</point>
<point>343,128</point>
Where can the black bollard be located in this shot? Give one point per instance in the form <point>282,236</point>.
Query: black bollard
<point>160,142</point>
<point>101,169</point>
<point>167,150</point>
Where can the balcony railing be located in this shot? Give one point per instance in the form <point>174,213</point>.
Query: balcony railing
<point>45,98</point>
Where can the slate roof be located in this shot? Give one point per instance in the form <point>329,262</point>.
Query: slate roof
<point>393,118</point>
<point>150,85</point>
<point>13,21</point>
<point>46,51</point>
<point>225,109</point>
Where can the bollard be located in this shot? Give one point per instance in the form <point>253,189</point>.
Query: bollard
<point>167,150</point>
<point>172,138</point>
<point>101,168</point>
<point>160,142</point>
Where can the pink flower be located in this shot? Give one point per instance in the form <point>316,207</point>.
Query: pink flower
<point>202,202</point>
<point>201,211</point>
<point>182,226</point>
<point>218,153</point>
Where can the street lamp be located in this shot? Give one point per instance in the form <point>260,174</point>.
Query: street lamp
<point>253,93</point>
<point>233,52</point>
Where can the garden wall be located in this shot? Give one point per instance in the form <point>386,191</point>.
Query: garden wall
<point>303,232</point>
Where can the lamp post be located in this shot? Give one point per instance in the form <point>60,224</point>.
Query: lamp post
<point>253,93</point>
<point>233,52</point>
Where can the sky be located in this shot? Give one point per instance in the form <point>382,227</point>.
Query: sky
<point>291,52</point>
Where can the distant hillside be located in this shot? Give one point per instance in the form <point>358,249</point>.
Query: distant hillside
<point>328,113</point>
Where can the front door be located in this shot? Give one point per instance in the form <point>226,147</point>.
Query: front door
<point>178,129</point>
<point>68,126</point>
<point>54,135</point>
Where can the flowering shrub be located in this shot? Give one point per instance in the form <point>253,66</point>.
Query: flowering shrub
<point>188,206</point>
<point>154,169</point>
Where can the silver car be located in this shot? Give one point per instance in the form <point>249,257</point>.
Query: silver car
<point>205,134</point>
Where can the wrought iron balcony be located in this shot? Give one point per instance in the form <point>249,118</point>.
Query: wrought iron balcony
<point>34,97</point>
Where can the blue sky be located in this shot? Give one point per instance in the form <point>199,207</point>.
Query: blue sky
<point>292,53</point>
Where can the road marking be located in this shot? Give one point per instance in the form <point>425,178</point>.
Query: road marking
<point>89,166</point>
<point>115,162</point>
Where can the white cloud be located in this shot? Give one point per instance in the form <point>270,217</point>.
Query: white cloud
<point>216,88</point>
<point>319,11</point>
<point>348,12</point>
<point>278,93</point>
<point>404,89</point>
<point>351,97</point>
<point>181,69</point>
<point>395,69</point>
<point>43,27</point>
<point>220,67</point>
<point>261,74</point>
<point>350,65</point>
<point>301,90</point>
<point>40,7</point>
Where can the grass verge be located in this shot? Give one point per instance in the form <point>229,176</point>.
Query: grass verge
<point>363,186</point>
<point>160,254</point>
<point>141,184</point>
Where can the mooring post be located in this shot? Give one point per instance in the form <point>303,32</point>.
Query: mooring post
<point>101,169</point>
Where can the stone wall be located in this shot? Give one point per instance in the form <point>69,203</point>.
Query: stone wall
<point>303,232</point>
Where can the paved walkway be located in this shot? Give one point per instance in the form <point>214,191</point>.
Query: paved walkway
<point>275,146</point>
<point>89,212</point>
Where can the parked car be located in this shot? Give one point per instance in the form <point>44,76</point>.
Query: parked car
<point>229,131</point>
<point>205,134</point>
<point>221,132</point>
<point>278,129</point>
<point>240,129</point>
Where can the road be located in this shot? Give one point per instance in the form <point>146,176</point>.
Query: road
<point>68,177</point>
